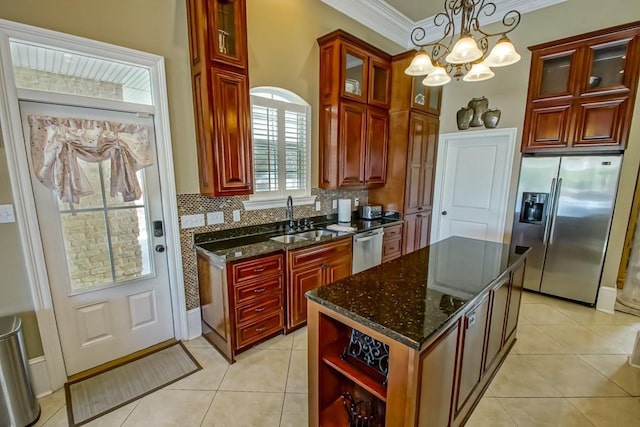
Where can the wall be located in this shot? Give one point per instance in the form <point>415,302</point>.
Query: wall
<point>507,91</point>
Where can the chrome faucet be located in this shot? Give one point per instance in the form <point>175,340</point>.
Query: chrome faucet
<point>290,211</point>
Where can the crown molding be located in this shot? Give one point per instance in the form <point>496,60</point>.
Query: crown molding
<point>379,16</point>
<point>389,22</point>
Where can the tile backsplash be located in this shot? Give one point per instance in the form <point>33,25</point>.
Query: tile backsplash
<point>194,204</point>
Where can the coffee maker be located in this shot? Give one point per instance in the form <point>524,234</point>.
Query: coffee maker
<point>534,207</point>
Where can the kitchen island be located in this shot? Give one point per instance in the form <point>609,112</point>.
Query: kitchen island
<point>417,340</point>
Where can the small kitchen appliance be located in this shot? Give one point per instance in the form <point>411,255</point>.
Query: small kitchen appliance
<point>344,210</point>
<point>370,211</point>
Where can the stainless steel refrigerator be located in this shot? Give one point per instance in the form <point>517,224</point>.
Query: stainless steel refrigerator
<point>563,212</point>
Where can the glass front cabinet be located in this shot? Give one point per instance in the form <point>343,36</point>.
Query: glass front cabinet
<point>581,91</point>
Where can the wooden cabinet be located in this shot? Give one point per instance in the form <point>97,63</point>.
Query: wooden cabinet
<point>354,123</point>
<point>392,243</point>
<point>499,295</point>
<point>310,268</point>
<point>242,302</point>
<point>582,90</point>
<point>219,71</point>
<point>515,296</point>
<point>417,231</point>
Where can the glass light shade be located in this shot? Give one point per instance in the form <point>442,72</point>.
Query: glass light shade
<point>437,77</point>
<point>420,65</point>
<point>478,73</point>
<point>502,54</point>
<point>464,51</point>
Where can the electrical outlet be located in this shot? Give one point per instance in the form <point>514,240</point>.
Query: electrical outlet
<point>356,202</point>
<point>191,221</point>
<point>215,218</point>
<point>318,206</point>
<point>6,214</point>
<point>236,215</point>
<point>334,204</point>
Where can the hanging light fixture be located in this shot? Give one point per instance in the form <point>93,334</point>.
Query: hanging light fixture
<point>462,50</point>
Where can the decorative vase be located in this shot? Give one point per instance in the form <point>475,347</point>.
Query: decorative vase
<point>479,105</point>
<point>463,117</point>
<point>491,118</point>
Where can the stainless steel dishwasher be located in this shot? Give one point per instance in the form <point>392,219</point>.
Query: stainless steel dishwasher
<point>367,250</point>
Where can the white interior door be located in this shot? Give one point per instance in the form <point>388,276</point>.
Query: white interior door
<point>107,269</point>
<point>472,184</point>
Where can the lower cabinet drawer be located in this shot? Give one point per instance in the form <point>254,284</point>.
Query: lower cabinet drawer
<point>258,308</point>
<point>258,289</point>
<point>255,331</point>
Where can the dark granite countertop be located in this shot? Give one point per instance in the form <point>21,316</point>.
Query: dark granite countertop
<point>412,297</point>
<point>248,242</point>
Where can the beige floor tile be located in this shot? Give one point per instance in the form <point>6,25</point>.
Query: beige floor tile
<point>489,412</point>
<point>620,337</point>
<point>300,339</point>
<point>573,377</point>
<point>543,314</point>
<point>531,340</point>
<point>610,411</point>
<point>516,378</point>
<point>115,418</point>
<point>50,405</point>
<point>258,370</point>
<point>171,408</point>
<point>214,367</point>
<point>543,412</point>
<point>529,297</point>
<point>280,342</point>
<point>617,368</point>
<point>297,378</point>
<point>627,319</point>
<point>581,340</point>
<point>59,419</point>
<point>295,412</point>
<point>243,409</point>
<point>585,315</point>
<point>197,343</point>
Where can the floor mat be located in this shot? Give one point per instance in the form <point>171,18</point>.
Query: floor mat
<point>91,397</point>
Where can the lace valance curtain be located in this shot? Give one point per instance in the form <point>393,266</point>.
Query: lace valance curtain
<point>58,143</point>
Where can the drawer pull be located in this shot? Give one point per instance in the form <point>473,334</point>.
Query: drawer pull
<point>261,290</point>
<point>260,309</point>
<point>264,328</point>
<point>259,270</point>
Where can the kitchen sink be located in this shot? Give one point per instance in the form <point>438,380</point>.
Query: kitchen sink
<point>289,238</point>
<point>312,234</point>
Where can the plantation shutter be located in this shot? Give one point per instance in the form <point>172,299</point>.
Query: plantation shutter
<point>265,148</point>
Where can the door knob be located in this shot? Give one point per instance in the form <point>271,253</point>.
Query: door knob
<point>160,248</point>
<point>444,212</point>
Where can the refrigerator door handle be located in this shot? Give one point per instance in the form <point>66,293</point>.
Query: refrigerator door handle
<point>547,224</point>
<point>556,196</point>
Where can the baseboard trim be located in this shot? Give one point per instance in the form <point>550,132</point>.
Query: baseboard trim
<point>39,376</point>
<point>607,299</point>
<point>194,325</point>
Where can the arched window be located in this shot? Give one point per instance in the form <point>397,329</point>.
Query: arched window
<point>281,126</point>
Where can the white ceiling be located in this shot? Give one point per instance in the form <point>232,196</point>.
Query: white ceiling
<point>394,19</point>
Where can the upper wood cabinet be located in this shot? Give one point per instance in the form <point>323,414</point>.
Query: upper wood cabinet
<point>582,90</point>
<point>220,83</point>
<point>355,93</point>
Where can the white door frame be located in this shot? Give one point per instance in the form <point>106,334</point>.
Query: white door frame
<point>21,183</point>
<point>443,142</point>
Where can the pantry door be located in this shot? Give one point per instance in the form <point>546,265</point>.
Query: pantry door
<point>105,257</point>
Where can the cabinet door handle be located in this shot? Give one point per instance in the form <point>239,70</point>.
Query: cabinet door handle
<point>260,309</point>
<point>259,291</point>
<point>258,270</point>
<point>261,329</point>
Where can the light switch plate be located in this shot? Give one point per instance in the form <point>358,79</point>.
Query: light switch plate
<point>6,214</point>
<point>236,215</point>
<point>335,204</point>
<point>215,218</point>
<point>318,206</point>
<point>191,221</point>
<point>356,201</point>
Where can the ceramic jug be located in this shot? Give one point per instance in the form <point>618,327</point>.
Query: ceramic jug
<point>479,105</point>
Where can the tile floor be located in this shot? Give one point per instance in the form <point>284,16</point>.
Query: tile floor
<point>568,368</point>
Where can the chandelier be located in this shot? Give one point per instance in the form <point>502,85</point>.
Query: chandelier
<point>462,51</point>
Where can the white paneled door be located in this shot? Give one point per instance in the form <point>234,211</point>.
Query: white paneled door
<point>105,257</point>
<point>472,184</point>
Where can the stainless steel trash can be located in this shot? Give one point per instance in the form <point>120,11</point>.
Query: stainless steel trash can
<point>18,404</point>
